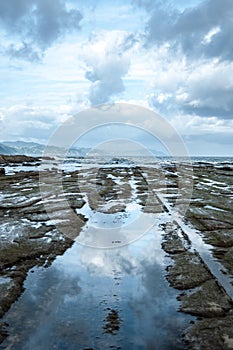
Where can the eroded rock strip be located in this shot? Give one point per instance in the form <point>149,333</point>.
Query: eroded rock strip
<point>28,233</point>
<point>204,252</point>
<point>201,294</point>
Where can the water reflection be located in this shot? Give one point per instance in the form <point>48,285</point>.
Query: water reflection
<point>99,299</point>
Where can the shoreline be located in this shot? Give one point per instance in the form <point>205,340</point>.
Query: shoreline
<point>40,242</point>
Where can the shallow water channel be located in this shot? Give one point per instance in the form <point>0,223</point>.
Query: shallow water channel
<point>109,289</point>
<point>99,299</point>
<point>102,293</point>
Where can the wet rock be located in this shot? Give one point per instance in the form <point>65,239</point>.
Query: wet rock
<point>24,245</point>
<point>9,292</point>
<point>214,224</point>
<point>208,300</point>
<point>174,240</point>
<point>188,271</point>
<point>153,209</point>
<point>112,324</point>
<point>2,171</point>
<point>210,211</point>
<point>8,159</point>
<point>76,202</point>
<point>3,331</point>
<point>226,168</point>
<point>225,255</point>
<point>40,245</point>
<point>222,238</point>
<point>214,334</point>
<point>173,246</point>
<point>118,208</point>
<point>24,257</point>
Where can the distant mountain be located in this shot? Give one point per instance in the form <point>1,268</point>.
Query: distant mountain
<point>4,149</point>
<point>37,149</point>
<point>21,144</point>
<point>25,148</point>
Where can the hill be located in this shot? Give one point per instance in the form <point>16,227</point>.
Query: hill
<point>4,149</point>
<point>36,149</point>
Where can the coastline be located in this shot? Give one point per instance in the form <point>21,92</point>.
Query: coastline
<point>31,239</point>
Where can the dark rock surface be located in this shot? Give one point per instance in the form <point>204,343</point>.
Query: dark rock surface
<point>30,238</point>
<point>210,212</point>
<point>10,159</point>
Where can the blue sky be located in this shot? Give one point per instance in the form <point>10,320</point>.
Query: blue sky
<point>60,57</point>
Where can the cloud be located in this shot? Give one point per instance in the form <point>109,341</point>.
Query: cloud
<point>189,124</point>
<point>23,51</point>
<point>209,90</point>
<point>31,123</point>
<point>36,23</point>
<point>202,30</point>
<point>204,88</point>
<point>205,135</point>
<point>53,21</point>
<point>107,78</point>
<point>107,64</point>
<point>192,72</point>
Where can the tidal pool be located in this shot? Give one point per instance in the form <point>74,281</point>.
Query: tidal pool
<point>99,299</point>
<point>117,296</point>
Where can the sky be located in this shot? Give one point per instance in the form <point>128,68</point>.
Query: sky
<point>60,57</point>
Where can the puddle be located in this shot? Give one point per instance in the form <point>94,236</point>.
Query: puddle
<point>100,299</point>
<point>108,220</point>
<point>104,230</point>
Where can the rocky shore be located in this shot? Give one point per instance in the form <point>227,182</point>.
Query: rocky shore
<point>30,237</point>
<point>17,159</point>
<point>210,212</point>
